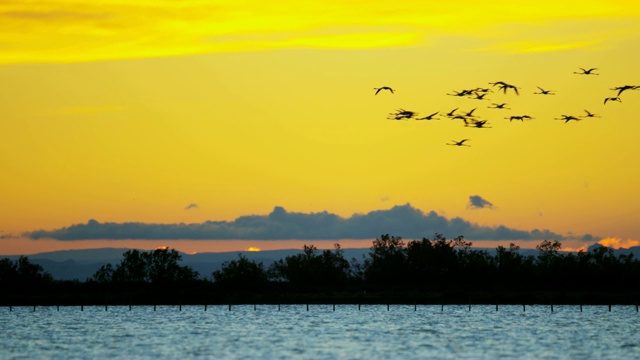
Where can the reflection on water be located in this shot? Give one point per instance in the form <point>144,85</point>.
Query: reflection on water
<point>292,331</point>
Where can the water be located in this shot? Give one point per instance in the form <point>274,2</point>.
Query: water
<point>293,332</point>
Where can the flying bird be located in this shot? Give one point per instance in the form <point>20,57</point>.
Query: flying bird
<point>461,93</point>
<point>544,92</point>
<point>504,86</point>
<point>590,115</point>
<point>450,113</point>
<point>612,99</point>
<point>567,118</point>
<point>470,113</point>
<point>519,117</point>
<point>459,143</point>
<point>480,124</point>
<point>625,87</point>
<point>401,114</point>
<point>428,117</point>
<point>586,71</point>
<point>501,83</point>
<point>498,106</point>
<point>383,88</point>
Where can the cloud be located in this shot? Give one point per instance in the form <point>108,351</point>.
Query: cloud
<point>617,243</point>
<point>404,220</point>
<point>477,202</point>
<point>191,206</point>
<point>102,30</point>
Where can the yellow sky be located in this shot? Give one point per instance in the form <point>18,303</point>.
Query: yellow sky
<point>123,111</point>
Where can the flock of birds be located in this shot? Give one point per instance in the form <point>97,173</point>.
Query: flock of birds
<point>479,93</point>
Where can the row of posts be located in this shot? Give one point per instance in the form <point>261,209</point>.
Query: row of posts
<point>415,307</point>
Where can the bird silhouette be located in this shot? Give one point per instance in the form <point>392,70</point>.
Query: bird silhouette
<point>625,87</point>
<point>428,117</point>
<point>586,71</point>
<point>480,124</point>
<point>480,96</point>
<point>459,143</point>
<point>544,92</point>
<point>482,90</point>
<point>401,114</point>
<point>451,113</point>
<point>461,93</point>
<point>501,83</point>
<point>509,86</point>
<point>567,118</point>
<point>590,115</point>
<point>498,106</point>
<point>470,113</point>
<point>612,99</point>
<point>519,117</point>
<point>383,88</point>
<point>504,86</point>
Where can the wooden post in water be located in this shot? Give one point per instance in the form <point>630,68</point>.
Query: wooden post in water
<point>105,307</point>
<point>442,308</point>
<point>551,307</point>
<point>81,307</point>
<point>229,307</point>
<point>609,307</point>
<point>580,307</point>
<point>523,308</point>
<point>359,307</point>
<point>387,307</point>
<point>469,307</point>
<point>129,307</point>
<point>307,307</point>
<point>278,307</point>
<point>254,307</point>
<point>154,308</point>
<point>58,308</point>
<point>334,307</point>
<point>415,307</point>
<point>496,307</point>
<point>180,308</point>
<point>11,308</point>
<point>34,308</point>
<point>205,307</point>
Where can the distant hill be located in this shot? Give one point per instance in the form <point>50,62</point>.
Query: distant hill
<point>82,264</point>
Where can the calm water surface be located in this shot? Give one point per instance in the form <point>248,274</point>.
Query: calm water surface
<point>373,332</point>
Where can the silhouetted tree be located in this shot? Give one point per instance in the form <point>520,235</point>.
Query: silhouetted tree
<point>387,264</point>
<point>241,274</point>
<point>163,267</point>
<point>157,266</point>
<point>307,271</point>
<point>22,272</point>
<point>511,265</point>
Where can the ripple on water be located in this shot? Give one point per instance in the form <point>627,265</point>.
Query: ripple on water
<point>373,332</point>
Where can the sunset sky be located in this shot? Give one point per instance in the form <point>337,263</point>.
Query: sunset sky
<point>139,116</point>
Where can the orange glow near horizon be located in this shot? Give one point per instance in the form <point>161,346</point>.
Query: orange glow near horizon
<point>617,243</point>
<point>22,246</point>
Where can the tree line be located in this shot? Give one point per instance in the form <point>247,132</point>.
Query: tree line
<point>437,269</point>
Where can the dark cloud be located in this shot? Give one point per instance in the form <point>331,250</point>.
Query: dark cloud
<point>477,202</point>
<point>191,206</point>
<point>405,221</point>
<point>589,238</point>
